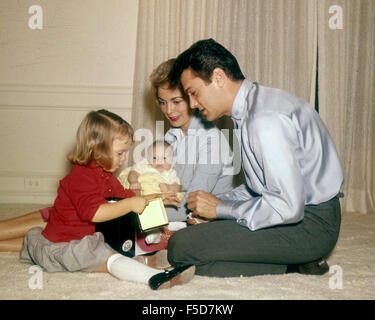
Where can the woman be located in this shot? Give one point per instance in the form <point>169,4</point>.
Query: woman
<point>202,154</point>
<point>202,158</point>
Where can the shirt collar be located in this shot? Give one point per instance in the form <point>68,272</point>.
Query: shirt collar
<point>241,100</point>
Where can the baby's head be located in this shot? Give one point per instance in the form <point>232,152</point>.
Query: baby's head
<point>160,155</point>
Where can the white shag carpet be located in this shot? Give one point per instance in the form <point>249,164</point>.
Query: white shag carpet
<point>352,276</point>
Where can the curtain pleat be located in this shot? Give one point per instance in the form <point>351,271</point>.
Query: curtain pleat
<point>346,95</point>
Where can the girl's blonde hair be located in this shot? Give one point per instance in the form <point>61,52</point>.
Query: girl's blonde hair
<point>95,136</point>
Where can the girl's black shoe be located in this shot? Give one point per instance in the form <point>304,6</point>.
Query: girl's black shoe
<point>171,278</point>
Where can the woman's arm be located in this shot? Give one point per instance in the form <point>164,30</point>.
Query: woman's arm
<point>174,187</point>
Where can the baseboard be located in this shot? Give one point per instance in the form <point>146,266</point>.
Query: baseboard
<point>27,187</point>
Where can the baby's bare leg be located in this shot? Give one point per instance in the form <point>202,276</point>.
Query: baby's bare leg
<point>18,227</point>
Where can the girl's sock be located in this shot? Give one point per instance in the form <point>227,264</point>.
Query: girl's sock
<point>125,268</point>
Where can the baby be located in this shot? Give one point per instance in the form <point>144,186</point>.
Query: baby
<point>154,175</point>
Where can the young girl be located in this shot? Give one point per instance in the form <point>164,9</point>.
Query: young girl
<point>69,241</point>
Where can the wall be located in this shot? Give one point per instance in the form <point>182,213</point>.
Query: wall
<point>82,59</point>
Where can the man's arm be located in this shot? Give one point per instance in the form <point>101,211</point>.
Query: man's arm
<point>206,205</point>
<point>275,148</point>
<point>274,144</point>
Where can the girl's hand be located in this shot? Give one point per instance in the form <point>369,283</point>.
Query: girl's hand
<point>138,204</point>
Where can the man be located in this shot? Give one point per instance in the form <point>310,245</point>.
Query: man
<point>286,217</point>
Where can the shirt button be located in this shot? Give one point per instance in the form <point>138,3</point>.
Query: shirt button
<point>109,190</point>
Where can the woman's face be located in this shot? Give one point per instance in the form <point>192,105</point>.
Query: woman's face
<point>174,107</point>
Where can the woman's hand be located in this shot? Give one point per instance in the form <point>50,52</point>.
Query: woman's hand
<point>202,204</point>
<point>169,198</point>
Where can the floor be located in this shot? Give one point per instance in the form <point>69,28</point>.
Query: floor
<point>351,276</point>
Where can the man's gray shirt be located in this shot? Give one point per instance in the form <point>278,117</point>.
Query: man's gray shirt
<point>287,155</point>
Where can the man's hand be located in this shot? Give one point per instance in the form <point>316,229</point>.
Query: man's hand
<point>202,204</point>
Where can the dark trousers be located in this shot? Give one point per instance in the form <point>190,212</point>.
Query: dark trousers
<point>223,248</point>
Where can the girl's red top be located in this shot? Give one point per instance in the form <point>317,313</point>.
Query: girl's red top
<point>79,196</point>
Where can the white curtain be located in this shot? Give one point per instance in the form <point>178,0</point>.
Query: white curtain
<point>275,42</point>
<point>347,93</point>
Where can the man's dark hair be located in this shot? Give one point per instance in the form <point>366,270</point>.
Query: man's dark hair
<point>203,57</point>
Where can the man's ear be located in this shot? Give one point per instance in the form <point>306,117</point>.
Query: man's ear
<point>219,77</point>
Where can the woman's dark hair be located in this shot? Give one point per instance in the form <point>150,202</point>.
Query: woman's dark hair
<point>203,57</point>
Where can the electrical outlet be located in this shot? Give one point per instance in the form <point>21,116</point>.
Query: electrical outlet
<point>33,184</point>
